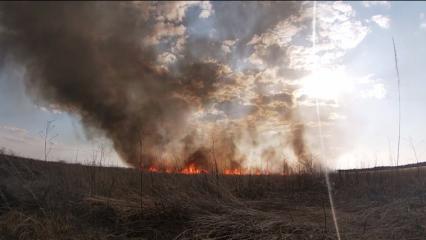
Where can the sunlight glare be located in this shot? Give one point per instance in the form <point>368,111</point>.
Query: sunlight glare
<point>326,84</point>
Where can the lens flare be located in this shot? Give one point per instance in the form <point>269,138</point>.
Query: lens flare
<point>326,84</point>
<point>315,74</point>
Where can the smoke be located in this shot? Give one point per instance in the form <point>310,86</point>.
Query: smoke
<point>299,146</point>
<point>140,72</point>
<point>199,159</point>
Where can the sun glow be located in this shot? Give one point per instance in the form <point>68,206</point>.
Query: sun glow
<point>326,84</point>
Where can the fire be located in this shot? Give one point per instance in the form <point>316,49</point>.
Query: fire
<point>257,172</point>
<point>153,169</point>
<point>156,169</point>
<point>238,171</point>
<point>232,172</point>
<point>189,170</point>
<point>192,169</point>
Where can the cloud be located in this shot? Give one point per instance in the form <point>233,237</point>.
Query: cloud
<point>166,58</point>
<point>339,27</point>
<point>227,45</point>
<point>381,21</point>
<point>336,116</point>
<point>368,4</point>
<point>371,87</point>
<point>338,30</point>
<point>206,9</point>
<point>422,18</point>
<point>377,91</point>
<point>169,25</point>
<point>50,108</point>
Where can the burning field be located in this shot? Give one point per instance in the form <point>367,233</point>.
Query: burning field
<point>163,97</point>
<point>42,200</point>
<point>227,120</point>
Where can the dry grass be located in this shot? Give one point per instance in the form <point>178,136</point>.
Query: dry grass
<point>40,200</point>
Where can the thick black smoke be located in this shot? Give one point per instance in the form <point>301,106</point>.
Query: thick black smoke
<point>89,59</point>
<point>92,59</point>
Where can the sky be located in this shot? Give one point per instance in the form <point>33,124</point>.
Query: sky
<point>270,75</point>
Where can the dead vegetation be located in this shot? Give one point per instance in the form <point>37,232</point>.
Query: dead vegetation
<point>46,200</point>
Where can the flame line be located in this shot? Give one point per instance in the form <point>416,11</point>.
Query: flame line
<point>322,152</point>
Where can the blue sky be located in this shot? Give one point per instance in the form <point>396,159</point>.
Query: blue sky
<point>366,118</point>
<point>23,122</point>
<point>376,121</point>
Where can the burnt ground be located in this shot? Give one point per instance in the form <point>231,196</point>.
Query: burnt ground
<point>50,200</point>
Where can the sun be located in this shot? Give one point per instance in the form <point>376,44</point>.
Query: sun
<point>326,84</point>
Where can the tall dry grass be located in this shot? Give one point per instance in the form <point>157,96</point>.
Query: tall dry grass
<point>40,200</point>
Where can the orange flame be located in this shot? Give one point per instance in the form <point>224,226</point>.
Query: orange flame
<point>192,169</point>
<point>153,169</point>
<point>257,172</point>
<point>189,170</point>
<point>232,172</point>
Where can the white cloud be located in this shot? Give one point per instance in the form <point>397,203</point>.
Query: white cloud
<point>227,45</point>
<point>166,58</point>
<point>377,91</point>
<point>368,4</point>
<point>168,22</point>
<point>371,87</point>
<point>51,108</point>
<point>338,29</point>
<point>336,116</point>
<point>422,24</point>
<point>382,21</point>
<point>206,9</point>
<point>176,11</point>
<point>282,34</point>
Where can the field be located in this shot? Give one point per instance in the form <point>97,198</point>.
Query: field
<point>47,200</point>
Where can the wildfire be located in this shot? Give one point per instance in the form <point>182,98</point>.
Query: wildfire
<point>189,170</point>
<point>153,169</point>
<point>192,169</point>
<point>232,172</point>
<point>238,171</point>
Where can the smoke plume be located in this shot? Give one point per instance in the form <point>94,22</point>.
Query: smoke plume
<point>148,77</point>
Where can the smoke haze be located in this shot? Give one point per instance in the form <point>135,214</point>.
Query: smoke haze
<point>158,84</point>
